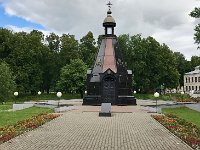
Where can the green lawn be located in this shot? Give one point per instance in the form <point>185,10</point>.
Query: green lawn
<point>185,113</point>
<point>175,96</point>
<point>6,106</point>
<point>10,118</point>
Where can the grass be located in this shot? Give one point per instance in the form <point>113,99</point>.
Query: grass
<point>10,118</point>
<point>163,97</point>
<point>185,113</point>
<point>6,106</point>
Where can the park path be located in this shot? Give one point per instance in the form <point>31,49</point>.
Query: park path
<point>83,129</point>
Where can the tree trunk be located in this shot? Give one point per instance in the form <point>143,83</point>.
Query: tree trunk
<point>81,92</point>
<point>48,90</point>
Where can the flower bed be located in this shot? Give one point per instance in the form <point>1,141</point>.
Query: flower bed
<point>183,101</point>
<point>186,131</point>
<point>8,132</point>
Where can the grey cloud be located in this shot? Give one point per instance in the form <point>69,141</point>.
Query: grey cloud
<point>166,19</point>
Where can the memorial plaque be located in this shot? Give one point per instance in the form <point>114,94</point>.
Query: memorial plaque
<point>105,110</point>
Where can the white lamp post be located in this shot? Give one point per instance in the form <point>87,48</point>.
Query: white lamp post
<point>16,94</point>
<point>59,94</point>
<point>134,92</point>
<point>85,92</point>
<point>156,95</point>
<point>182,93</point>
<point>39,93</point>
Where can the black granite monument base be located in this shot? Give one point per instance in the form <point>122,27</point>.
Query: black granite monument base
<point>126,100</point>
<point>104,114</point>
<point>105,110</point>
<point>121,100</point>
<point>92,100</point>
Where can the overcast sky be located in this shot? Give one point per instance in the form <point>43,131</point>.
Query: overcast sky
<point>166,20</point>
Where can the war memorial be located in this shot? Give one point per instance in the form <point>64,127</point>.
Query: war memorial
<point>109,81</point>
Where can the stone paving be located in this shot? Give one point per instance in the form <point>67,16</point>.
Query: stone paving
<point>194,106</point>
<point>83,129</point>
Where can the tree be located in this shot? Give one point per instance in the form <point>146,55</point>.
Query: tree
<point>53,41</point>
<point>196,14</point>
<point>51,63</point>
<point>181,65</point>
<point>25,60</point>
<point>125,45</point>
<point>5,45</point>
<point>152,64</point>
<point>73,77</point>
<point>6,82</point>
<point>69,49</point>
<point>87,48</point>
<point>195,61</point>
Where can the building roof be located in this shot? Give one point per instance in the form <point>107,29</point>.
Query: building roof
<point>109,56</point>
<point>109,19</point>
<point>196,71</point>
<point>105,58</point>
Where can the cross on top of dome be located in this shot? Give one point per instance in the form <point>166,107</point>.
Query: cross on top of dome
<point>109,22</point>
<point>109,5</point>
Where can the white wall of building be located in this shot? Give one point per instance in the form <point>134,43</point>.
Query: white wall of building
<point>192,80</point>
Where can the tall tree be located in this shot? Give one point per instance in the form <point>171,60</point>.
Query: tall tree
<point>69,49</point>
<point>152,64</point>
<point>181,65</point>
<point>73,77</point>
<point>5,42</point>
<point>53,41</point>
<point>196,14</point>
<point>195,61</point>
<point>25,60</point>
<point>88,49</point>
<point>51,63</point>
<point>7,82</point>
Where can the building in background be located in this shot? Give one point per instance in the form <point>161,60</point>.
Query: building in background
<point>192,81</point>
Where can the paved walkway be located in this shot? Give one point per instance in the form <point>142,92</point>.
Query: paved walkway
<point>85,130</point>
<point>194,106</point>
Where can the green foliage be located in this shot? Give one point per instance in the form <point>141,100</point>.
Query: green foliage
<point>5,45</point>
<point>73,77</point>
<point>6,82</point>
<point>36,60</point>
<point>25,60</point>
<point>152,64</point>
<point>51,62</point>
<point>88,49</point>
<point>195,61</point>
<point>10,118</point>
<point>184,113</point>
<point>53,41</point>
<point>69,49</point>
<point>6,106</point>
<point>181,65</point>
<point>196,14</point>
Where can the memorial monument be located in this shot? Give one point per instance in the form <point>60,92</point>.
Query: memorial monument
<point>108,81</point>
